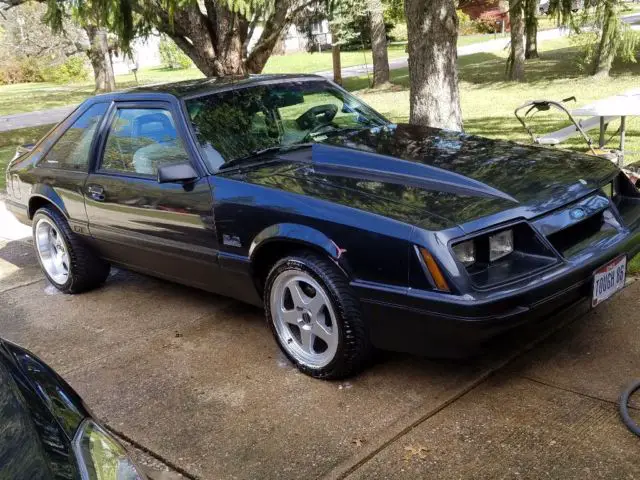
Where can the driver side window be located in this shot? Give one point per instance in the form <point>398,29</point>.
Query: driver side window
<point>140,140</point>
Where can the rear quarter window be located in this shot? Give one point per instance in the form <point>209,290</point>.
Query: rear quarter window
<point>73,149</point>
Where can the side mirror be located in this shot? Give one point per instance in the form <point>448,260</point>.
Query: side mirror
<point>178,173</point>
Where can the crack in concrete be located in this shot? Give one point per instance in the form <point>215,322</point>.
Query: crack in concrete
<point>150,452</point>
<point>577,392</point>
<point>25,284</point>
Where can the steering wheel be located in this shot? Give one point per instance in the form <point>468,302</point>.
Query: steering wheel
<point>318,116</point>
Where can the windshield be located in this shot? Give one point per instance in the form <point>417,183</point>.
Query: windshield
<point>235,124</point>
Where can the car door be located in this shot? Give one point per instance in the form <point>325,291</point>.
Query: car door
<point>164,229</point>
<point>64,163</point>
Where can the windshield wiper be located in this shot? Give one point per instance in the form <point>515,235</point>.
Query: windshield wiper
<point>258,153</point>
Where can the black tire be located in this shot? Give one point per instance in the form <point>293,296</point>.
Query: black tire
<point>354,350</point>
<point>86,269</point>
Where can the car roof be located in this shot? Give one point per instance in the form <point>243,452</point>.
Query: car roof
<point>205,86</point>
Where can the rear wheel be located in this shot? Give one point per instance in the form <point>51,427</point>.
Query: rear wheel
<point>315,317</point>
<point>69,264</point>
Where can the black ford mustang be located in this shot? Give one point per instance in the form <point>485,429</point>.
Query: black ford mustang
<point>354,233</point>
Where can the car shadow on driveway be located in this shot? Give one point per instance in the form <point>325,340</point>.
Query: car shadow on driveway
<point>18,264</point>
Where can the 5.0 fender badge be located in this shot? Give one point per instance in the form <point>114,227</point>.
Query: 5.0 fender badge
<point>231,240</point>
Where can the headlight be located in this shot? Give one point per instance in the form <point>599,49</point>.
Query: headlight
<point>500,245</point>
<point>465,252</point>
<point>101,457</point>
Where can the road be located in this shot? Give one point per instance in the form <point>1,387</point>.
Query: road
<point>196,382</point>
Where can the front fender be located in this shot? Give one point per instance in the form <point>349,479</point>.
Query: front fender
<point>297,233</point>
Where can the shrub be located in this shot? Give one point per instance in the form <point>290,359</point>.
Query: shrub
<point>72,70</point>
<point>32,69</point>
<point>399,33</point>
<point>171,55</point>
<point>488,23</point>
<point>20,70</point>
<point>466,26</point>
<point>9,72</point>
<point>485,24</point>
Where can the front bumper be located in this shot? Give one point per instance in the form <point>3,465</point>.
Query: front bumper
<point>437,324</point>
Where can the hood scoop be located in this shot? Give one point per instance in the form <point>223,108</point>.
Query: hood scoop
<point>371,166</point>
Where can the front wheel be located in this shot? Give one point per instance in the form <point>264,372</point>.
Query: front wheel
<point>315,317</point>
<point>69,264</point>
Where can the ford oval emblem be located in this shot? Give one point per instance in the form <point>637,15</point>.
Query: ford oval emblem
<point>577,213</point>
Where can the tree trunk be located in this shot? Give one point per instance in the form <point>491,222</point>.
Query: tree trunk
<point>515,62</point>
<point>335,58</point>
<point>378,44</point>
<point>274,29</point>
<point>607,45</point>
<point>531,29</point>
<point>217,39</point>
<point>100,58</point>
<point>433,34</point>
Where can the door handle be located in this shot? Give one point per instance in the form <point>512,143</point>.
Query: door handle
<point>96,192</point>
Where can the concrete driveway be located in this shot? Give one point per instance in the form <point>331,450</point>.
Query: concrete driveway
<point>196,383</point>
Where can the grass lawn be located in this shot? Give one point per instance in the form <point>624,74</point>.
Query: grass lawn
<point>488,101</point>
<point>478,38</point>
<point>634,265</point>
<point>31,97</point>
<point>303,62</point>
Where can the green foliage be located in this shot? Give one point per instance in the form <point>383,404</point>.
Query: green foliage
<point>74,69</point>
<point>466,26</point>
<point>349,23</point>
<point>399,33</point>
<point>603,37</point>
<point>394,11</point>
<point>34,70</point>
<point>589,41</point>
<point>173,57</point>
<point>127,19</point>
<point>348,19</point>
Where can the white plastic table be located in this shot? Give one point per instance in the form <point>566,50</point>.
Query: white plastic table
<point>623,105</point>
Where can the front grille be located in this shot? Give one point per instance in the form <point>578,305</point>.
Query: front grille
<point>570,240</point>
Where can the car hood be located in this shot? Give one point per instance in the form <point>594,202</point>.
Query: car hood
<point>436,178</point>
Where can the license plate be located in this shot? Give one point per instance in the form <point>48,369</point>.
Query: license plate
<point>608,279</point>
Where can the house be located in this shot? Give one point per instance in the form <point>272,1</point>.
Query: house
<point>296,41</point>
<point>495,13</point>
